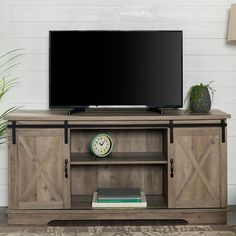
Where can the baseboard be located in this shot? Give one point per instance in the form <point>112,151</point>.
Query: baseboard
<point>232,208</point>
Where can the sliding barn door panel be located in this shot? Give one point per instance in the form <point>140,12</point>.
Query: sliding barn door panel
<point>196,155</point>
<point>41,156</point>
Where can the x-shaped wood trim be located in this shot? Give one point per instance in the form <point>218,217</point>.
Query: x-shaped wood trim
<point>40,166</point>
<point>197,166</point>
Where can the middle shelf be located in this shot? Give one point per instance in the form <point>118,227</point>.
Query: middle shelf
<point>119,158</point>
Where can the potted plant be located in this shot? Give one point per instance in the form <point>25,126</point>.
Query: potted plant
<point>7,62</point>
<point>200,97</point>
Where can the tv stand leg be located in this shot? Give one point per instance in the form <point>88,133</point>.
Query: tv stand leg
<point>158,110</point>
<point>75,110</point>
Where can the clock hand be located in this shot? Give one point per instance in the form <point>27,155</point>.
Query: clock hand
<point>99,143</point>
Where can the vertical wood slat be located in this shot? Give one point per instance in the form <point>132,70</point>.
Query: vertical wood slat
<point>66,182</point>
<point>13,184</point>
<point>171,181</point>
<point>223,172</point>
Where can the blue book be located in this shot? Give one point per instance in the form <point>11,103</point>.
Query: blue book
<point>119,195</point>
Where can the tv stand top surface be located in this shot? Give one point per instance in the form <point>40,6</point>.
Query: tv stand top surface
<point>113,115</point>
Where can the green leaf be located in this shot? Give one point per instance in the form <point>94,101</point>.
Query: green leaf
<point>196,90</point>
<point>8,62</point>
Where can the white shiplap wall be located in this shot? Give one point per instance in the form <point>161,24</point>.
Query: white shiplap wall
<point>4,46</point>
<point>207,55</point>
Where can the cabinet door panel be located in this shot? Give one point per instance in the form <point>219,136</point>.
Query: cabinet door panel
<point>197,162</point>
<point>41,155</point>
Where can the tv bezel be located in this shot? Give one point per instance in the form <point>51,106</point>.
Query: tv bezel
<point>113,106</point>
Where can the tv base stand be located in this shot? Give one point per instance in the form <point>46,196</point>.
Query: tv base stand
<point>158,110</point>
<point>76,110</point>
<point>178,159</point>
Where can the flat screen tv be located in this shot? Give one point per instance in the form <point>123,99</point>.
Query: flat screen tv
<point>115,68</point>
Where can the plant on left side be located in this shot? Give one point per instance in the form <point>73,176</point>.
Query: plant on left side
<point>8,61</point>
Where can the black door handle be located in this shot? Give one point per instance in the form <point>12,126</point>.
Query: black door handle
<point>66,168</point>
<point>171,168</point>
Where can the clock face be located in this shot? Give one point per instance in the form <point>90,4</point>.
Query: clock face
<point>101,145</point>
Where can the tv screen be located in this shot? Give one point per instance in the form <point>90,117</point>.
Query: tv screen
<point>115,68</point>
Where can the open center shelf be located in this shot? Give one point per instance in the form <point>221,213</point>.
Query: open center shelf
<point>138,160</point>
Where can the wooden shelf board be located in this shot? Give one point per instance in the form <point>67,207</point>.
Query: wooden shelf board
<point>85,202</point>
<point>114,115</point>
<point>119,158</point>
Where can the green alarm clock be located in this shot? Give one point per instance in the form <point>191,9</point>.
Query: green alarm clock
<point>101,145</point>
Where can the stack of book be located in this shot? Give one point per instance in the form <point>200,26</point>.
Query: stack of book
<point>119,198</point>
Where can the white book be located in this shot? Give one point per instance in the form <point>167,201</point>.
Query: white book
<point>142,204</point>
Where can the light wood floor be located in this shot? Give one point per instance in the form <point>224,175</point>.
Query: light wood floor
<point>231,220</point>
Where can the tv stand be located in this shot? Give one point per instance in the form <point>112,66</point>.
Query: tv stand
<point>76,110</point>
<point>178,159</point>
